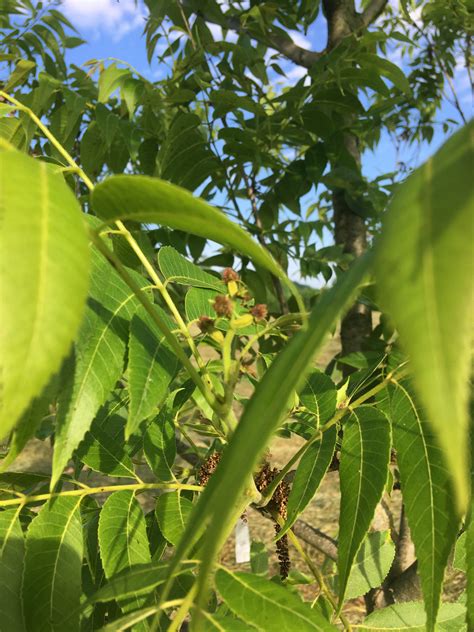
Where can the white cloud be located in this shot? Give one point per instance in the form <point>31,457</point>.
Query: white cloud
<point>114,17</point>
<point>218,35</point>
<point>299,39</point>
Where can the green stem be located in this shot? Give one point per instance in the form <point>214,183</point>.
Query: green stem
<point>98,490</point>
<point>283,320</point>
<point>56,144</point>
<point>160,286</point>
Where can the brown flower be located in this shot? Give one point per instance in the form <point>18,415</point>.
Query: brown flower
<point>278,504</point>
<point>208,468</point>
<point>205,324</point>
<point>223,306</point>
<point>259,311</point>
<point>229,275</point>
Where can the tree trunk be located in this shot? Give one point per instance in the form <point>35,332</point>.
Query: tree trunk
<point>349,228</point>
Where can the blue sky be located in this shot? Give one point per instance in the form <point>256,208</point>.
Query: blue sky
<point>113,28</point>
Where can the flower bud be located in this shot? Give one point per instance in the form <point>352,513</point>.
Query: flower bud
<point>229,275</point>
<point>223,306</point>
<point>259,311</point>
<point>205,324</point>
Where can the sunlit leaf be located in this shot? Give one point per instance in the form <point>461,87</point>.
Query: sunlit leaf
<point>42,295</point>
<point>145,199</point>
<point>425,275</point>
<point>319,396</point>
<point>110,79</point>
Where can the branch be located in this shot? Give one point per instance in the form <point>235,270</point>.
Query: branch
<point>281,42</point>
<point>372,11</point>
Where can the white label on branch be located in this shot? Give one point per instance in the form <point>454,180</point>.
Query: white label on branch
<point>242,542</point>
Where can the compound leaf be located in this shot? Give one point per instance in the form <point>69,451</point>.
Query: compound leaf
<point>98,359</point>
<point>145,199</point>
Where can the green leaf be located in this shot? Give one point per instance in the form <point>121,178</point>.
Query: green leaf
<point>319,396</point>
<point>23,68</point>
<point>224,623</point>
<point>410,616</point>
<point>371,565</point>
<point>53,561</point>
<point>184,157</point>
<point>470,570</point>
<point>309,475</point>
<point>198,302</point>
<point>145,199</point>
<point>42,295</point>
<point>425,276</point>
<point>385,68</point>
<point>98,361</point>
<point>131,90</point>
<point>131,621</point>
<point>267,605</point>
<point>140,579</point>
<point>365,455</point>
<point>123,541</point>
<point>122,533</point>
<point>177,269</point>
<point>261,418</point>
<point>159,445</point>
<point>12,552</point>
<point>110,79</point>
<point>151,367</point>
<point>258,558</point>
<point>460,561</point>
<point>103,448</point>
<point>427,493</point>
<point>93,149</point>
<point>172,514</point>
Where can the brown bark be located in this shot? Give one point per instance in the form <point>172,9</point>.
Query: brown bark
<point>349,228</point>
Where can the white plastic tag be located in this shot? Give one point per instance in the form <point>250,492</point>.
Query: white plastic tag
<point>242,542</point>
